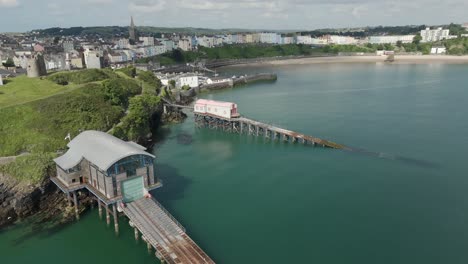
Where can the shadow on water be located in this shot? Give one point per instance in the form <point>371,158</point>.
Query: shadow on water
<point>41,229</point>
<point>161,135</point>
<point>386,156</point>
<point>174,184</point>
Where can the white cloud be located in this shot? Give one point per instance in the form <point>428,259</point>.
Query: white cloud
<point>147,6</point>
<point>359,11</point>
<point>8,3</point>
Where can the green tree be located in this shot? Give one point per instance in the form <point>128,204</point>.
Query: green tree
<point>172,84</point>
<point>118,90</point>
<point>137,123</point>
<point>388,46</point>
<point>399,43</point>
<point>417,39</point>
<point>129,71</point>
<point>149,78</point>
<point>9,63</point>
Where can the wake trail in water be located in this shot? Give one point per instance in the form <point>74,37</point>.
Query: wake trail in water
<point>387,156</point>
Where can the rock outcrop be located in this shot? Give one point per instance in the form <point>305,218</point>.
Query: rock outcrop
<point>19,200</point>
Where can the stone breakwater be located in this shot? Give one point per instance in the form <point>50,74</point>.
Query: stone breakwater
<point>242,80</point>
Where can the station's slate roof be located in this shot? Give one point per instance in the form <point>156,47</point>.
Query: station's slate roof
<point>100,148</point>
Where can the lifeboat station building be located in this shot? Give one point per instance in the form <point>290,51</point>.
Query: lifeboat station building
<point>113,170</point>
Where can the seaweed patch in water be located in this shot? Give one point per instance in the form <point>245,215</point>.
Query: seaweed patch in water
<point>184,139</point>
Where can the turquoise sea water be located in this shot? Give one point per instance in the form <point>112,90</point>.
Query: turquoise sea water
<point>247,200</point>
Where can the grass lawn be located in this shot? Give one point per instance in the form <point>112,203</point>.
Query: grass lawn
<point>22,89</point>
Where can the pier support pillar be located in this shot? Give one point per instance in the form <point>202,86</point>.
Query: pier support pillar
<point>116,219</point>
<point>257,129</point>
<point>100,209</point>
<point>70,200</point>
<point>137,236</point>
<point>107,216</point>
<point>75,200</point>
<point>148,245</point>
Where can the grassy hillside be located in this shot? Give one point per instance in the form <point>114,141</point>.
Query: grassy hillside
<point>22,89</point>
<point>39,127</point>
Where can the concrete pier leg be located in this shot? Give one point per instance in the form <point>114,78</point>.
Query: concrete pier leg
<point>100,209</point>
<point>148,245</point>
<point>137,236</point>
<point>75,200</point>
<point>70,200</point>
<point>107,216</point>
<point>116,219</point>
<point>241,128</point>
<point>257,130</point>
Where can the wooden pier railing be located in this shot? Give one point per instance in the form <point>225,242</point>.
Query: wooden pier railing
<point>162,232</point>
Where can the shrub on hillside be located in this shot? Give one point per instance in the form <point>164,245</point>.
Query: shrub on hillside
<point>138,123</point>
<point>31,168</point>
<point>61,80</point>
<point>118,90</point>
<point>129,71</point>
<point>83,76</point>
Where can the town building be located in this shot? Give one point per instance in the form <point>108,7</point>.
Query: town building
<point>38,48</point>
<point>307,40</point>
<point>438,50</point>
<point>68,45</point>
<point>249,38</point>
<point>185,44</point>
<point>432,35</point>
<point>191,80</point>
<point>147,41</point>
<point>110,168</point>
<point>169,44</point>
<point>93,59</point>
<point>287,40</point>
<point>391,39</point>
<point>269,38</point>
<point>77,63</point>
<point>338,40</point>
<point>123,43</point>
<point>56,61</point>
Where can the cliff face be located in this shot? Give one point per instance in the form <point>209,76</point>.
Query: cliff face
<point>19,200</point>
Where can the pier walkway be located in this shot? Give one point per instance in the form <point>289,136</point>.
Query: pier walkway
<point>164,233</point>
<point>244,125</point>
<point>273,132</point>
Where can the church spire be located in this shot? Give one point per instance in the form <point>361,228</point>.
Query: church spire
<point>132,31</point>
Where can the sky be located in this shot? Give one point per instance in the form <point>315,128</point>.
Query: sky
<point>26,15</point>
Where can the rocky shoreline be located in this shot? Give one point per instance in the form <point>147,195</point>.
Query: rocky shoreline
<point>20,200</point>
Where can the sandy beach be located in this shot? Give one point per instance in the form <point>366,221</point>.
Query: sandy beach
<point>399,59</point>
